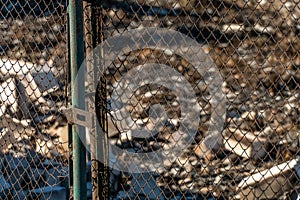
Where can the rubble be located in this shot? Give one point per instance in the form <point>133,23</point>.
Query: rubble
<point>20,92</point>
<point>245,144</point>
<point>258,59</point>
<point>30,94</point>
<point>270,183</point>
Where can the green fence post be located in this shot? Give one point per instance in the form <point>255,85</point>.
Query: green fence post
<point>76,59</point>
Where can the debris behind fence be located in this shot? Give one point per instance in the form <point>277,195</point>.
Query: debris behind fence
<point>33,135</point>
<point>255,46</point>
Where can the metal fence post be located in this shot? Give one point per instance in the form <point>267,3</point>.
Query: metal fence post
<point>76,58</point>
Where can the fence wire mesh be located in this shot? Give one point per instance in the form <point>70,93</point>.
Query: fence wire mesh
<point>33,163</point>
<point>255,47</point>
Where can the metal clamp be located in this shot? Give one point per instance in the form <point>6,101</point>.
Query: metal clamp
<point>79,117</point>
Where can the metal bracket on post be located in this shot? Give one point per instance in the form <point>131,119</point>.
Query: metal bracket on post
<point>79,117</point>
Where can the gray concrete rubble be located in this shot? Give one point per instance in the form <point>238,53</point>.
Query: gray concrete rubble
<point>23,101</point>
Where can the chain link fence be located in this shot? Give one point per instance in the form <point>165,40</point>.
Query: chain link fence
<point>33,63</point>
<point>242,143</point>
<point>254,45</point>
